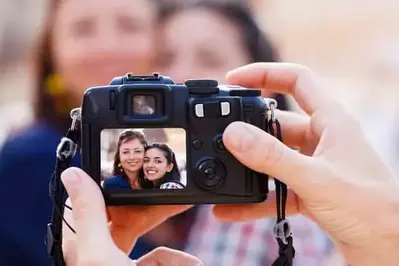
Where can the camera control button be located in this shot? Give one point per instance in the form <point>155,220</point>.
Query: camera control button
<point>210,173</point>
<point>197,144</point>
<point>199,110</point>
<point>219,145</point>
<point>246,93</point>
<point>202,86</point>
<point>203,90</point>
<point>225,108</point>
<point>201,83</point>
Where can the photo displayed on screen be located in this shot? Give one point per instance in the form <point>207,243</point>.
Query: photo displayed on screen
<point>143,158</point>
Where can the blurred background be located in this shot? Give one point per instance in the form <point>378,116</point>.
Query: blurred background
<point>353,46</point>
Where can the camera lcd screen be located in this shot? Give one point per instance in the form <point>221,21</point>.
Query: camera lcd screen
<point>150,158</point>
<point>144,105</point>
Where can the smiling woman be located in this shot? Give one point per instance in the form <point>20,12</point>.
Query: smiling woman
<point>207,38</point>
<point>85,43</point>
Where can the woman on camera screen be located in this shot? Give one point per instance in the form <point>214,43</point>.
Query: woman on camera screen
<point>128,162</point>
<point>85,43</point>
<point>141,166</point>
<point>160,167</point>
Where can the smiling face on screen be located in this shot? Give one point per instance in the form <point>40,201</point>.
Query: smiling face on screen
<point>156,164</point>
<point>131,155</point>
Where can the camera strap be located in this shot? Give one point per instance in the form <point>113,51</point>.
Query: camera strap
<point>66,150</point>
<point>282,229</point>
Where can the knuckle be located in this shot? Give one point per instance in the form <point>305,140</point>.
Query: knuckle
<point>332,114</point>
<point>272,153</point>
<point>304,70</point>
<point>80,207</point>
<point>160,251</point>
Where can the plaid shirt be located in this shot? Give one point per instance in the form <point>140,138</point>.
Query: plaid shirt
<point>252,243</point>
<point>171,185</point>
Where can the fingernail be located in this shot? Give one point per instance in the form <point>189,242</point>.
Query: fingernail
<point>71,180</point>
<point>239,137</point>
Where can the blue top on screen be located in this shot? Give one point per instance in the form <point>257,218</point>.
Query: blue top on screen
<point>116,182</point>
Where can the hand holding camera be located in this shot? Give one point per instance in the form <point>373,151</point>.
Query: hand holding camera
<point>336,178</point>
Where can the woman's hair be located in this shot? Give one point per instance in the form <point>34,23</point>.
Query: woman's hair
<point>257,45</point>
<point>50,107</point>
<point>174,174</point>
<point>45,106</point>
<point>126,136</point>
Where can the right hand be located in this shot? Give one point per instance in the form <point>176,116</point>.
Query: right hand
<point>338,179</point>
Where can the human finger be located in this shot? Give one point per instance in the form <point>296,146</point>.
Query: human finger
<point>294,127</point>
<point>89,215</point>
<point>68,236</point>
<point>163,256</point>
<point>285,78</point>
<point>254,211</point>
<point>144,218</point>
<point>264,153</point>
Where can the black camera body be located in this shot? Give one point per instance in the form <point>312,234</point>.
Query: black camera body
<point>203,109</point>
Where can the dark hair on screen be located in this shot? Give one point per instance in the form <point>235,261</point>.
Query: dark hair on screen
<point>258,46</point>
<point>46,106</point>
<point>172,176</point>
<point>126,136</point>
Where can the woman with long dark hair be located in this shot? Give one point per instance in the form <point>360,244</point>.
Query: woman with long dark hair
<point>160,167</point>
<point>206,39</point>
<point>85,43</point>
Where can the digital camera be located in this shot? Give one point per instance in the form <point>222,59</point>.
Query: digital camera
<point>149,141</point>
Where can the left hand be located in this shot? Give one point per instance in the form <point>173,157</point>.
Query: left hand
<point>102,241</point>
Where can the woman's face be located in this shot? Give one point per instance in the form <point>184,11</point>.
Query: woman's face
<point>94,41</point>
<point>155,164</point>
<point>200,44</point>
<point>131,155</point>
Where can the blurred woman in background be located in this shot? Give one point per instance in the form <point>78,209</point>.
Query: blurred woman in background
<point>205,39</point>
<point>86,43</point>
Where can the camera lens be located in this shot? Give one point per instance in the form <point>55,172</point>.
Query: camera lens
<point>211,173</point>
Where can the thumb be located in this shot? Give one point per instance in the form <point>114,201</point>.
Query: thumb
<point>166,256</point>
<point>264,153</point>
<point>88,211</point>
